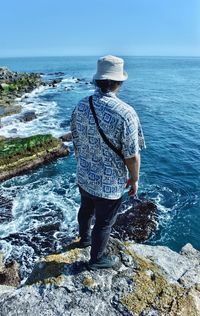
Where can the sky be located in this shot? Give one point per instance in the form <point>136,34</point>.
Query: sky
<point>99,27</point>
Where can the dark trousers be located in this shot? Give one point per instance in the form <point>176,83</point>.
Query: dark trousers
<point>105,212</point>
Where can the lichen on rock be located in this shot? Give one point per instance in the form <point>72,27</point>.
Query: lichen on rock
<point>151,289</point>
<point>50,270</point>
<point>62,284</point>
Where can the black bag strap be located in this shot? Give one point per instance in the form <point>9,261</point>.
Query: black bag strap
<point>106,140</point>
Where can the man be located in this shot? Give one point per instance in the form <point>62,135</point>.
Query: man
<point>101,169</point>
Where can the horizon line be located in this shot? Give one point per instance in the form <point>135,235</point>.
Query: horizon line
<point>63,56</point>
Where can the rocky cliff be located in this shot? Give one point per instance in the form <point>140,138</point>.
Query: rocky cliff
<point>148,281</point>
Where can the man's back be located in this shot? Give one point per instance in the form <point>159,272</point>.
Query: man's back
<point>100,171</point>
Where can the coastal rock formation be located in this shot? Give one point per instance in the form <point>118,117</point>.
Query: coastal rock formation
<point>141,284</point>
<point>6,74</point>
<point>18,155</point>
<point>15,84</point>
<point>28,116</point>
<point>66,137</point>
<point>138,222</point>
<point>9,274</point>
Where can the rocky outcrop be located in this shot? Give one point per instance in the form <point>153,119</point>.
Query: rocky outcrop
<point>66,137</point>
<point>6,74</point>
<point>13,85</point>
<point>147,281</point>
<point>27,116</point>
<point>138,223</point>
<point>18,155</point>
<point>9,274</point>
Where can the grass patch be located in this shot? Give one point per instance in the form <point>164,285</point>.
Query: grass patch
<point>14,149</point>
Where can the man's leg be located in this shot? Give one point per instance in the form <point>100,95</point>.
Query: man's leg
<point>106,214</point>
<point>85,215</point>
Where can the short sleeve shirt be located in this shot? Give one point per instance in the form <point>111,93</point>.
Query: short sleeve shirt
<point>100,171</point>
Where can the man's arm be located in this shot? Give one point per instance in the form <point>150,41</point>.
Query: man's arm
<point>133,165</point>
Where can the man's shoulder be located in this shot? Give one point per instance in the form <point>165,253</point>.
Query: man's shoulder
<point>125,109</point>
<point>84,100</point>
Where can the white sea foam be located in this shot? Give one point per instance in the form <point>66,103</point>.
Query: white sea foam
<point>45,121</point>
<point>40,200</point>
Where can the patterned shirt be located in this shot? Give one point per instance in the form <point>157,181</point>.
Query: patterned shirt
<point>100,171</point>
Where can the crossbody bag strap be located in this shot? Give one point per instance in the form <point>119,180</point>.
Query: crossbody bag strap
<point>106,140</point>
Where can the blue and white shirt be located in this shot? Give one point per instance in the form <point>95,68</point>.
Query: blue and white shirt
<point>100,171</point>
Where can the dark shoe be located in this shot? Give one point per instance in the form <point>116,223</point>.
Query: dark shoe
<point>105,262</point>
<point>85,243</point>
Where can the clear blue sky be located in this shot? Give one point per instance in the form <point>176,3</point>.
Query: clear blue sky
<point>97,27</point>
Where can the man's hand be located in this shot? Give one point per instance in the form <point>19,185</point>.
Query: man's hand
<point>134,186</point>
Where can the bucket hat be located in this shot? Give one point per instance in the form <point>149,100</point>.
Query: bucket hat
<point>111,68</point>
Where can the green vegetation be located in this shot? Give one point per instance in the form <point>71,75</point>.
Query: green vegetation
<point>14,149</point>
<point>19,84</point>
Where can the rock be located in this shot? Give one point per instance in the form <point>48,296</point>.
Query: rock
<point>14,85</point>
<point>24,154</point>
<point>6,289</point>
<point>191,253</point>
<point>138,223</point>
<point>9,275</point>
<point>173,265</point>
<point>5,73</point>
<point>58,73</point>
<point>27,116</point>
<point>13,130</point>
<point>5,209</point>
<point>191,277</point>
<point>66,137</point>
<point>55,82</point>
<point>61,284</point>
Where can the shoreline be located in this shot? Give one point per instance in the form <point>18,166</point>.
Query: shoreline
<point>15,85</point>
<point>35,150</point>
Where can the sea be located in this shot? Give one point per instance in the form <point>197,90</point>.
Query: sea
<point>165,92</point>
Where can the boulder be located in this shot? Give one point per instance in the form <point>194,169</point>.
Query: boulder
<point>66,137</point>
<point>28,116</point>
<point>9,274</point>
<point>138,223</point>
<point>5,74</point>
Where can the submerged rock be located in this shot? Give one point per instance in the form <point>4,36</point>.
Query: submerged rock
<point>5,209</point>
<point>27,116</point>
<point>62,284</point>
<point>138,223</point>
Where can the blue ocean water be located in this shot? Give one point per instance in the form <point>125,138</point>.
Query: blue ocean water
<point>165,93</point>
